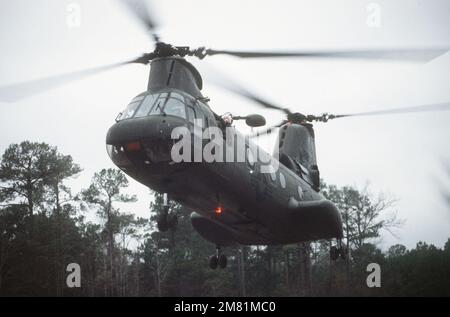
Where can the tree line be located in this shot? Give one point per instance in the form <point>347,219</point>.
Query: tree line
<point>44,227</point>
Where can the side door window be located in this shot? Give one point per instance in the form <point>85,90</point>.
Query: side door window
<point>197,116</point>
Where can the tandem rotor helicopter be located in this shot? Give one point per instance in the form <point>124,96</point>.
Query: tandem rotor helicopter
<point>234,203</point>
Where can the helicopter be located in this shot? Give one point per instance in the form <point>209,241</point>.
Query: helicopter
<point>236,202</point>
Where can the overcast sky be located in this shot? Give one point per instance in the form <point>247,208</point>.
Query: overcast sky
<point>404,155</point>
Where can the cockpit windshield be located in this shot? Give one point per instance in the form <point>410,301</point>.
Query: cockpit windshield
<point>170,103</point>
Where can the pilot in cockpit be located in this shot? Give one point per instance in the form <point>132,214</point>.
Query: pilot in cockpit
<point>227,119</point>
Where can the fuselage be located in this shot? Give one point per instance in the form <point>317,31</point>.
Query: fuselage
<point>236,202</point>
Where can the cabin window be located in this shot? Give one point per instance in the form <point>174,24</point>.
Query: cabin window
<point>282,181</point>
<point>206,115</point>
<point>273,177</point>
<point>250,159</point>
<point>300,192</point>
<point>197,118</point>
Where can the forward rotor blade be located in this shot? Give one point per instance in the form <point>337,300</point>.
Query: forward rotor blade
<point>19,91</point>
<point>220,79</point>
<point>419,55</point>
<point>141,10</point>
<point>424,108</point>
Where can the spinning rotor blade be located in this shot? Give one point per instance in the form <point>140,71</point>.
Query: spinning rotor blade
<point>326,117</point>
<point>419,55</point>
<point>141,10</point>
<point>268,130</point>
<point>138,8</point>
<point>220,79</point>
<point>19,91</point>
<point>424,108</point>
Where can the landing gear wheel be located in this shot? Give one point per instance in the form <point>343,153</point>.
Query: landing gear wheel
<point>213,262</point>
<point>222,261</point>
<point>162,221</point>
<point>334,253</point>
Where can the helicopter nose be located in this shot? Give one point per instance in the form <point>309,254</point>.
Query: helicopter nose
<point>156,127</point>
<point>142,140</point>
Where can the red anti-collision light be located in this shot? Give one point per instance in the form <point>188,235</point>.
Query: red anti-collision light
<point>133,146</point>
<point>218,210</point>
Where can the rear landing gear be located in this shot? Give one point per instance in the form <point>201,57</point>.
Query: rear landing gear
<point>339,250</point>
<point>218,260</point>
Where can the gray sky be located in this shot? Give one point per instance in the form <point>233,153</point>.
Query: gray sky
<point>402,155</point>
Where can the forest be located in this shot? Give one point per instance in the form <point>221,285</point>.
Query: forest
<point>44,227</point>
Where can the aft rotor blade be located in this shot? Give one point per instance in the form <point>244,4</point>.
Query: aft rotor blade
<point>268,130</point>
<point>424,108</point>
<point>19,91</point>
<point>141,10</point>
<point>221,80</point>
<point>419,55</point>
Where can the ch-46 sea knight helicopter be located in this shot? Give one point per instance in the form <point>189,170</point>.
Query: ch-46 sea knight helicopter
<point>234,202</point>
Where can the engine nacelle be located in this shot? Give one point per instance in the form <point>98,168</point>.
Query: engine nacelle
<point>296,145</point>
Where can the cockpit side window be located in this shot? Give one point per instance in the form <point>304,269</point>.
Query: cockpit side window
<point>209,120</point>
<point>131,108</point>
<point>191,114</point>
